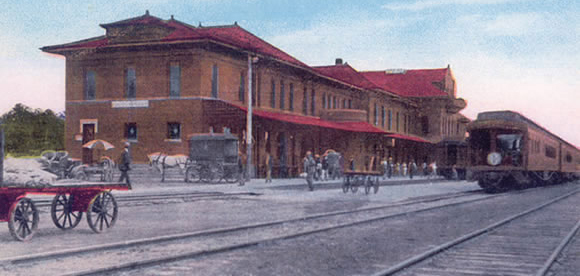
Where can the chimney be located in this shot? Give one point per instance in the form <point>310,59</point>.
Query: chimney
<point>338,61</point>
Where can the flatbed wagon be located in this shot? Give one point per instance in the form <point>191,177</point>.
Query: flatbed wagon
<point>68,205</point>
<point>368,179</point>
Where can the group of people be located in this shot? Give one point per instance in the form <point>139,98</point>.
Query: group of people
<point>396,169</point>
<point>322,168</point>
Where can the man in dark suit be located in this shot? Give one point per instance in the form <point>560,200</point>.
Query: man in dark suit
<point>124,164</point>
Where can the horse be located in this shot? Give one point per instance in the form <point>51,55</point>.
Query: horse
<point>161,161</point>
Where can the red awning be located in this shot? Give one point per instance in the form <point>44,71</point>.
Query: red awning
<point>409,138</point>
<point>315,121</point>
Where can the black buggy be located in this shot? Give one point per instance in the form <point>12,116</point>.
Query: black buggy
<point>213,157</point>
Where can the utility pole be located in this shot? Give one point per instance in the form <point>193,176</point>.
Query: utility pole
<point>249,120</point>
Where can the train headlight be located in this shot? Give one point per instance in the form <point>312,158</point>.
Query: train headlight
<point>494,158</point>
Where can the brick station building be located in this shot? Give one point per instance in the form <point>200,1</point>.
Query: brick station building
<point>154,82</point>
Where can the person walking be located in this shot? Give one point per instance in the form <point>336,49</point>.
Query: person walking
<point>268,168</point>
<point>309,169</point>
<point>125,164</point>
<point>241,170</point>
<point>390,167</point>
<point>412,168</point>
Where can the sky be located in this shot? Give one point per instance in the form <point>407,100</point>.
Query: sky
<point>520,55</point>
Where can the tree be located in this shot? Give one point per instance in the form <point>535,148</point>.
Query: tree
<point>29,132</point>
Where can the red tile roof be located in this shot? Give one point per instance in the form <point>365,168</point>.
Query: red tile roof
<point>232,35</point>
<point>411,83</point>
<point>347,74</point>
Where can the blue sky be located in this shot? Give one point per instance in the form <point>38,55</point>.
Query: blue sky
<point>520,55</point>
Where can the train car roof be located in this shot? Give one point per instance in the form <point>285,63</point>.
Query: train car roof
<point>515,116</point>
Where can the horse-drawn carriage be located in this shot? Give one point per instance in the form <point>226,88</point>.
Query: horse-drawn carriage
<point>65,167</point>
<point>213,157</point>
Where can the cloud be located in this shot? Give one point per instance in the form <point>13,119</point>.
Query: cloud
<point>428,4</point>
<point>517,24</point>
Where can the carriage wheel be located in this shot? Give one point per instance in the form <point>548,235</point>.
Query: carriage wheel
<point>231,175</point>
<point>345,184</point>
<point>192,174</point>
<point>216,172</point>
<point>376,186</point>
<point>23,219</point>
<point>102,212</point>
<point>354,185</point>
<point>80,175</point>
<point>368,183</point>
<point>61,213</point>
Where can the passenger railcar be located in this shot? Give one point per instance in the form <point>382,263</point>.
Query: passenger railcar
<point>508,150</point>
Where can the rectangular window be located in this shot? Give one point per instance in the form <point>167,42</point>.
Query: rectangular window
<point>242,88</point>
<point>404,123</point>
<point>343,103</point>
<point>324,101</point>
<point>329,102</point>
<point>131,131</point>
<point>273,95</point>
<point>390,119</point>
<point>376,121</point>
<point>282,95</point>
<point>383,116</point>
<point>90,85</point>
<point>131,83</point>
<point>291,99</point>
<point>334,102</point>
<point>305,101</point>
<point>313,102</point>
<point>173,131</point>
<point>214,81</point>
<point>349,103</point>
<point>397,121</point>
<point>174,80</point>
<point>550,152</point>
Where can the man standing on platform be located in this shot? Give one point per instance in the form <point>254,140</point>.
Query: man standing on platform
<point>125,164</point>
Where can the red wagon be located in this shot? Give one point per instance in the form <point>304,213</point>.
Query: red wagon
<point>67,208</point>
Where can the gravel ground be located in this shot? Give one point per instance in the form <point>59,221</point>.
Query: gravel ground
<point>359,250</point>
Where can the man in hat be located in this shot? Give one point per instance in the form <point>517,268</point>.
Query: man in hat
<point>124,164</point>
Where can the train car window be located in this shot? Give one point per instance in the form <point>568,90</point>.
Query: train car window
<point>550,151</point>
<point>509,142</point>
<point>568,158</point>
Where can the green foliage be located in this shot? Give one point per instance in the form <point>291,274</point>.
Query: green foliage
<point>30,131</point>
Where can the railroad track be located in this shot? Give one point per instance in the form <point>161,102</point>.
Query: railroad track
<point>518,245</point>
<point>129,200</point>
<point>129,254</point>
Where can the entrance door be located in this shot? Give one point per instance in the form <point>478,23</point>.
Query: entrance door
<point>88,135</point>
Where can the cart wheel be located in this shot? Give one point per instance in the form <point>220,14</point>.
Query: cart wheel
<point>61,212</point>
<point>80,175</point>
<point>216,172</point>
<point>23,219</point>
<point>354,185</point>
<point>192,174</point>
<point>102,212</point>
<point>376,186</point>
<point>368,183</point>
<point>345,184</point>
<point>230,175</point>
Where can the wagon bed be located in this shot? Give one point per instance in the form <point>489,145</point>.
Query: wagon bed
<point>70,201</point>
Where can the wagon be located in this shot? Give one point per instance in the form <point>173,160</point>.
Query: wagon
<point>67,208</point>
<point>353,179</point>
<point>213,157</point>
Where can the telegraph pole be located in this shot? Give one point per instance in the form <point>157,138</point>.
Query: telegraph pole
<point>249,120</point>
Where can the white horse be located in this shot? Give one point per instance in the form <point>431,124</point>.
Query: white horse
<point>162,161</point>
